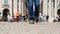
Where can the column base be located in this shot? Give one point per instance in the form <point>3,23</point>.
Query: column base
<point>50,19</point>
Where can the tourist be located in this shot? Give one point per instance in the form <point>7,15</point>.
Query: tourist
<point>17,16</point>
<point>47,17</point>
<point>33,14</point>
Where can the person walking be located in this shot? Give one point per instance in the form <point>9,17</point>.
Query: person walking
<point>33,14</point>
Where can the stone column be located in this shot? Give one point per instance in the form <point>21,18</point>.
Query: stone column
<point>2,2</point>
<point>44,7</point>
<point>56,5</point>
<point>0,5</point>
<point>20,5</point>
<point>15,7</point>
<point>10,6</point>
<point>50,11</point>
<point>24,5</point>
<point>50,6</point>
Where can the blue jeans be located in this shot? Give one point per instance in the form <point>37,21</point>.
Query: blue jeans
<point>33,13</point>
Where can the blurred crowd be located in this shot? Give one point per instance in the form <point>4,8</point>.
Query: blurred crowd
<point>25,17</point>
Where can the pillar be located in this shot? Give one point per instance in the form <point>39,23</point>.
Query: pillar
<point>56,5</point>
<point>20,5</point>
<point>50,11</point>
<point>44,7</point>
<point>10,6</point>
<point>1,7</point>
<point>15,7</point>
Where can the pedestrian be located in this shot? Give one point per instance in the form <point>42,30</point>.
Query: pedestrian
<point>40,17</point>
<point>33,14</point>
<point>47,17</point>
<point>24,17</point>
<point>17,16</point>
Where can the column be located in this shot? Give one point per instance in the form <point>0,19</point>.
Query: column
<point>0,5</point>
<point>20,6</point>
<point>15,7</point>
<point>10,6</point>
<point>50,8</point>
<point>53,8</point>
<point>24,6</point>
<point>0,8</point>
<point>44,7</point>
<point>50,11</point>
<point>2,1</point>
<point>56,5</point>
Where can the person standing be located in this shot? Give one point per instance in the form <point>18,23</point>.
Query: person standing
<point>17,16</point>
<point>33,14</point>
<point>47,17</point>
<point>24,16</point>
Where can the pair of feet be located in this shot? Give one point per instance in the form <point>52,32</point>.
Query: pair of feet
<point>32,21</point>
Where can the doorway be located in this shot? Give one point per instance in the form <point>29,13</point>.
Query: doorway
<point>58,12</point>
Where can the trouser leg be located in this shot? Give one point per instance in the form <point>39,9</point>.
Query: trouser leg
<point>30,9</point>
<point>36,10</point>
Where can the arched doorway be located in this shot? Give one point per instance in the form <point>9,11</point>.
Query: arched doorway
<point>58,12</point>
<point>5,14</point>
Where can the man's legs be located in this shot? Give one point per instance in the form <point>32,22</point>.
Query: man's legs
<point>30,8</point>
<point>37,4</point>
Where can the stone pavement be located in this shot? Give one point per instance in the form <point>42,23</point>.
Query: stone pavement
<point>26,28</point>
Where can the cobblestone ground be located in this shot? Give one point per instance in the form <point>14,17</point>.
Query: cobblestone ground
<point>26,28</point>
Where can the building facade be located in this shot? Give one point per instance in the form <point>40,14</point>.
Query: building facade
<point>11,5</point>
<point>50,7</point>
